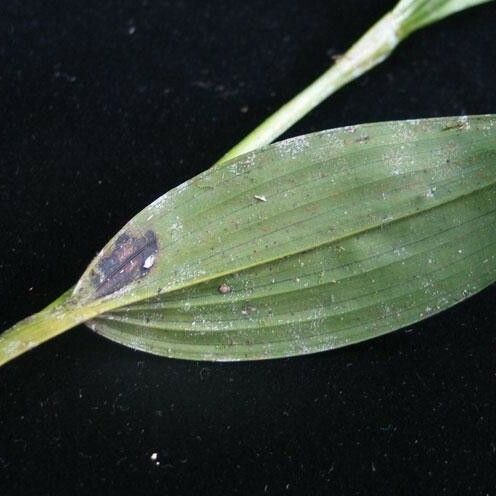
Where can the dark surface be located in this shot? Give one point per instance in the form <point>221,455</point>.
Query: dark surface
<point>107,105</point>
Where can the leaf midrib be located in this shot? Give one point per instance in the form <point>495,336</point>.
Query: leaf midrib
<point>237,297</point>
<point>137,297</point>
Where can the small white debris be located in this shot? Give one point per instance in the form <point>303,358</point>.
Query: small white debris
<point>248,310</point>
<point>224,288</point>
<point>149,262</point>
<point>154,456</point>
<point>260,198</point>
<point>430,192</point>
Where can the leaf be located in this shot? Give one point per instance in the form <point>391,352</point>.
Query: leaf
<point>309,244</point>
<point>416,14</point>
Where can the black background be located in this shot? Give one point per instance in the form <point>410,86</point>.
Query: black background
<point>105,105</point>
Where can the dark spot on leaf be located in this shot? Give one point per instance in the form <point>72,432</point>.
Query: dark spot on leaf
<point>130,259</point>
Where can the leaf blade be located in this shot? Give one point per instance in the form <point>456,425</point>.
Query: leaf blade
<point>452,178</point>
<point>353,314</point>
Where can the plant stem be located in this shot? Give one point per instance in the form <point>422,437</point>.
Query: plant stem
<point>60,316</point>
<point>370,50</point>
<point>33,331</point>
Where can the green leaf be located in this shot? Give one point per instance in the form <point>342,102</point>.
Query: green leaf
<point>306,245</point>
<point>415,14</point>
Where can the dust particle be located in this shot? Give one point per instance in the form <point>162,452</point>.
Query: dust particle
<point>149,262</point>
<point>224,288</point>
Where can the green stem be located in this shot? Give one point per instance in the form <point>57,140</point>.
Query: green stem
<point>60,316</point>
<point>371,49</point>
<point>33,331</point>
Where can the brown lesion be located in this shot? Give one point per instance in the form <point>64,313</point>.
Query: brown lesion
<point>130,259</point>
